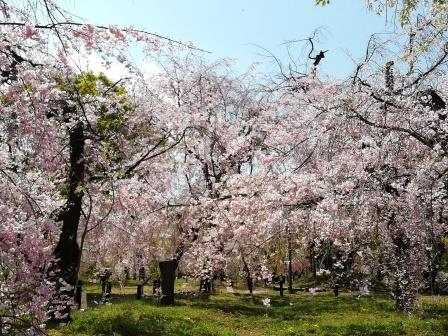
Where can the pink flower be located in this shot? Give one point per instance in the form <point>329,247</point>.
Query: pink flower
<point>29,32</point>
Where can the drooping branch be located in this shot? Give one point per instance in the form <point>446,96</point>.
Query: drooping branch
<point>55,25</point>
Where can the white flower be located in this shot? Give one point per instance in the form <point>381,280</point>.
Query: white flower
<point>312,291</point>
<point>266,302</point>
<point>364,291</point>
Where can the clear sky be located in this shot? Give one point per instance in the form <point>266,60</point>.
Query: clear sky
<point>232,28</point>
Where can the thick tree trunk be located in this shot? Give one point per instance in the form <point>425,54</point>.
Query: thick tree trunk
<point>67,250</point>
<point>405,293</point>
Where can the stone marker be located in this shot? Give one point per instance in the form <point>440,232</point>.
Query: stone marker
<point>83,300</point>
<point>139,291</point>
<point>78,294</point>
<point>108,291</point>
<point>168,275</point>
<point>155,286</point>
<point>104,277</point>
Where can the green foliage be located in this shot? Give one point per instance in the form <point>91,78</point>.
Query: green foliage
<point>406,11</point>
<point>406,8</point>
<point>63,190</point>
<point>103,79</point>
<point>62,85</point>
<point>110,122</point>
<point>79,190</point>
<point>28,87</point>
<point>6,101</point>
<point>86,84</point>
<point>112,152</point>
<point>108,125</point>
<point>110,118</point>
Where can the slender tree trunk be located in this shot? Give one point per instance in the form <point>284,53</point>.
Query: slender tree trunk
<point>288,232</point>
<point>249,280</point>
<point>312,257</point>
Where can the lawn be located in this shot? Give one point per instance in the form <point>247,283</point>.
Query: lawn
<point>239,313</point>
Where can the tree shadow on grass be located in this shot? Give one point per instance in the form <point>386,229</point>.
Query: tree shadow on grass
<point>437,308</point>
<point>117,323</point>
<point>290,308</point>
<point>129,319</point>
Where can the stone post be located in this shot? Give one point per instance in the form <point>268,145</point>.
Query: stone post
<point>168,275</point>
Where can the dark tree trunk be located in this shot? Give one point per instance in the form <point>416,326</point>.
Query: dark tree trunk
<point>312,257</point>
<point>336,290</point>
<point>139,292</point>
<point>249,280</point>
<point>434,255</point>
<point>250,284</point>
<point>67,250</point>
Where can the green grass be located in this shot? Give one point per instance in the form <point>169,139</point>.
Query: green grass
<point>227,314</point>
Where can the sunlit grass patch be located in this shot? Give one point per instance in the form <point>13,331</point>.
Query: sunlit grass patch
<point>241,314</point>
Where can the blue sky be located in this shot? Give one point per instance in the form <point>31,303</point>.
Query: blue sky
<point>233,28</point>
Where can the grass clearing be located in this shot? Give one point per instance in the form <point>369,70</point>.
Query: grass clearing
<point>231,314</point>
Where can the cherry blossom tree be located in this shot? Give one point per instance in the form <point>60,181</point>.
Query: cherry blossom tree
<point>380,158</point>
<point>68,134</point>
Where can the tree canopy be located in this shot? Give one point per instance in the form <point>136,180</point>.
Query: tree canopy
<point>212,169</point>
